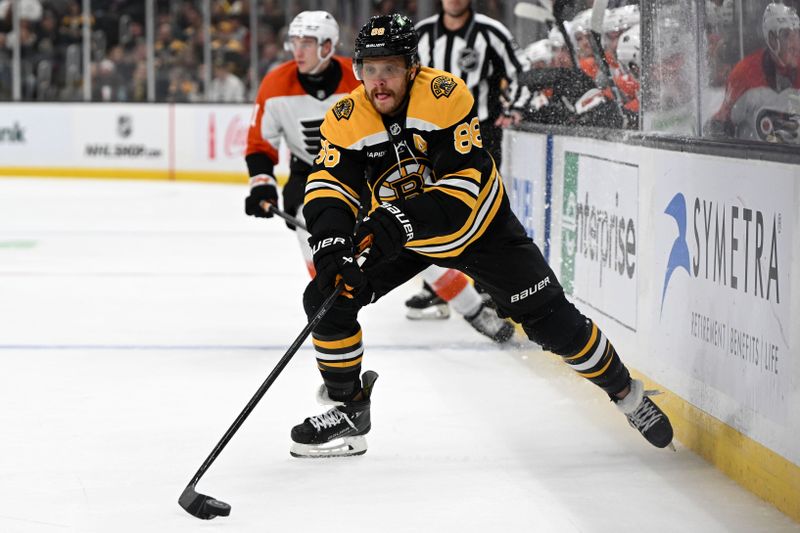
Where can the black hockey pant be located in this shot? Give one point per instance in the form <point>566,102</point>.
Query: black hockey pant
<point>510,267</point>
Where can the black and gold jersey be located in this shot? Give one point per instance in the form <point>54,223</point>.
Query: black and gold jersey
<point>428,160</point>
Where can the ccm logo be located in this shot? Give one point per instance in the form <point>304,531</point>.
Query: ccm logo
<point>530,291</point>
<point>328,241</point>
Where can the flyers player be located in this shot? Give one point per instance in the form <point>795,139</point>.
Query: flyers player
<point>412,135</point>
<point>291,102</point>
<point>762,96</point>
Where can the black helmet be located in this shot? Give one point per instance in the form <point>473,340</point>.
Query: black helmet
<point>384,36</point>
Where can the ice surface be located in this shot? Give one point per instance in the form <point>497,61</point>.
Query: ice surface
<point>138,318</point>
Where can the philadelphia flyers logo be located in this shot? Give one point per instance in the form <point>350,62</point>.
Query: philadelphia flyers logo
<point>443,86</point>
<point>343,108</point>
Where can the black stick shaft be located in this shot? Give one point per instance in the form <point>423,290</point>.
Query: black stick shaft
<point>323,309</point>
<point>296,222</point>
<point>266,206</point>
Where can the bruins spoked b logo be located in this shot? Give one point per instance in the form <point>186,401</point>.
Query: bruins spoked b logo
<point>404,182</point>
<point>443,86</point>
<point>343,108</point>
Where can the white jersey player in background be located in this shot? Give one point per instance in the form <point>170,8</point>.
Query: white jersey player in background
<point>291,103</point>
<point>762,95</point>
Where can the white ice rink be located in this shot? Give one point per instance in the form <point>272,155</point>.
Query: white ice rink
<point>138,318</point>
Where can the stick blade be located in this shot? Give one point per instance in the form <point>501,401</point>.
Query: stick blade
<point>202,506</point>
<point>532,11</point>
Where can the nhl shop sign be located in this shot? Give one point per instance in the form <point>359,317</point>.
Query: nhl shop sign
<point>599,262</point>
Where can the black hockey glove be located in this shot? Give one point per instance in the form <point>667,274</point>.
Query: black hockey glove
<point>334,258</point>
<point>385,232</point>
<point>262,189</point>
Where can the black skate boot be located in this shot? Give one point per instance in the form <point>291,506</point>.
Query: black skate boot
<point>426,305</point>
<point>486,322</point>
<point>338,432</point>
<point>645,416</point>
<point>487,299</point>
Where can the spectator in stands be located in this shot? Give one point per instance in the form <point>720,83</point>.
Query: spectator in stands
<point>270,57</point>
<point>71,27</point>
<point>5,68</point>
<point>763,88</point>
<point>107,85</point>
<point>226,86</point>
<point>30,10</point>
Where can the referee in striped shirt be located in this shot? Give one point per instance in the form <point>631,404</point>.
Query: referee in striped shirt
<point>480,50</point>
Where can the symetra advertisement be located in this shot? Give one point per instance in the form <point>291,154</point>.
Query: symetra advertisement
<point>722,262</point>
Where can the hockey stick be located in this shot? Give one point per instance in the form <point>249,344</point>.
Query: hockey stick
<point>294,221</point>
<point>598,14</point>
<point>535,12</point>
<point>558,14</point>
<point>207,507</point>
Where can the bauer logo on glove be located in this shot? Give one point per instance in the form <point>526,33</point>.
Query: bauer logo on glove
<point>328,241</point>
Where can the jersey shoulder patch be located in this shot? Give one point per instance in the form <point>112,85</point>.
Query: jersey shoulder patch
<point>443,86</point>
<point>427,109</point>
<point>343,109</point>
<point>352,121</point>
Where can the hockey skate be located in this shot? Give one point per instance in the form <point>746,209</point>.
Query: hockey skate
<point>338,432</point>
<point>645,416</point>
<point>486,322</point>
<point>426,305</point>
<point>487,299</point>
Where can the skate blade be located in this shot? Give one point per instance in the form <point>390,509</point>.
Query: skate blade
<point>344,447</point>
<point>434,312</point>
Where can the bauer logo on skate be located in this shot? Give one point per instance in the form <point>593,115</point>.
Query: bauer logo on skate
<point>530,291</point>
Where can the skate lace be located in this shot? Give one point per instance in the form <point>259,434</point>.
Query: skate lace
<point>645,416</point>
<point>330,419</point>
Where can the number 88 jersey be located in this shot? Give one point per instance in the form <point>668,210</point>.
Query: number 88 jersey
<point>428,160</point>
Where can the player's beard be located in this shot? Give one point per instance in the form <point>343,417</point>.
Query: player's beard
<point>390,105</point>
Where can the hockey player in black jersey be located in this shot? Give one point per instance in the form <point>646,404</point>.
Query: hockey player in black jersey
<point>412,135</point>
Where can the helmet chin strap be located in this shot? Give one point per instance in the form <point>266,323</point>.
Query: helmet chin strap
<point>322,60</point>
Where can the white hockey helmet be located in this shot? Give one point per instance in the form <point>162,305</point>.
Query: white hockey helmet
<point>778,17</point>
<point>539,51</point>
<point>621,18</point>
<point>581,23</point>
<point>629,49</point>
<point>317,24</point>
<point>556,38</point>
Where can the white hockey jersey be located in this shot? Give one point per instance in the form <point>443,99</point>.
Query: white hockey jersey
<point>284,108</point>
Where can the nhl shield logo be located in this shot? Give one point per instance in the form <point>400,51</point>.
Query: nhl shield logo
<point>124,126</point>
<point>468,60</point>
<point>343,109</point>
<point>442,86</point>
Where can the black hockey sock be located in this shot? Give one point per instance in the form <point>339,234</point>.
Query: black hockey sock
<point>597,361</point>
<point>563,330</point>
<point>339,362</point>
